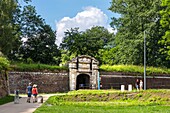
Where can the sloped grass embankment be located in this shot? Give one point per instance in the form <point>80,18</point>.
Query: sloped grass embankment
<point>134,69</point>
<point>108,68</point>
<point>36,67</point>
<point>108,101</point>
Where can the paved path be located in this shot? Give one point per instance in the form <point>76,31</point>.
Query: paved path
<point>23,106</point>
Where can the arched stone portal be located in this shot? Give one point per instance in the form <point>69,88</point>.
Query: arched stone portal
<point>83,81</point>
<point>83,70</point>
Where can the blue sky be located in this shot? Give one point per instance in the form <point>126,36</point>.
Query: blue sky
<point>65,14</point>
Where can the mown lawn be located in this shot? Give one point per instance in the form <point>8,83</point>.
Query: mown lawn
<point>108,101</point>
<point>103,109</point>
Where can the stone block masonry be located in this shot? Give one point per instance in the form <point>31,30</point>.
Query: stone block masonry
<point>47,82</point>
<point>59,82</point>
<point>112,80</point>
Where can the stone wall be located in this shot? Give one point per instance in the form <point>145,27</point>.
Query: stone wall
<point>59,82</point>
<point>3,85</point>
<point>47,82</point>
<point>115,80</point>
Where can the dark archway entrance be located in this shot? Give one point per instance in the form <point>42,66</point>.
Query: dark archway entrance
<point>83,81</point>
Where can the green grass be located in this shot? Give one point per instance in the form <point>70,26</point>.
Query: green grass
<point>113,68</point>
<point>108,101</point>
<point>36,67</point>
<point>6,99</point>
<point>103,109</point>
<point>134,69</point>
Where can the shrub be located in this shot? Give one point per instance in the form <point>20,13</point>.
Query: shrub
<point>4,63</point>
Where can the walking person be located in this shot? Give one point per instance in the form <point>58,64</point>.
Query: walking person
<point>29,92</point>
<point>34,93</point>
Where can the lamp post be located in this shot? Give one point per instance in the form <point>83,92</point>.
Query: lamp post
<point>144,60</point>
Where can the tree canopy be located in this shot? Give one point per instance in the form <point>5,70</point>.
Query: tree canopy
<point>165,22</point>
<point>8,33</point>
<point>39,44</point>
<point>88,42</point>
<point>137,17</point>
<point>25,36</point>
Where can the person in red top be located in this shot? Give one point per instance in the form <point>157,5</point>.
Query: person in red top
<point>34,93</point>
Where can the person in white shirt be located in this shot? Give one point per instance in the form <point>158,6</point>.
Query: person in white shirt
<point>141,84</point>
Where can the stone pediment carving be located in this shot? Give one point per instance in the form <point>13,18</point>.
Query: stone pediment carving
<point>85,59</point>
<point>83,62</point>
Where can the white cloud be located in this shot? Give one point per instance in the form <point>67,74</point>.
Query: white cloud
<point>89,17</point>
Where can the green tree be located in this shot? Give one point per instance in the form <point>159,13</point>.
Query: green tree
<point>97,38</point>
<point>7,26</point>
<point>71,41</point>
<point>39,44</point>
<point>10,27</point>
<point>137,17</point>
<point>88,42</point>
<point>165,22</point>
<point>107,56</point>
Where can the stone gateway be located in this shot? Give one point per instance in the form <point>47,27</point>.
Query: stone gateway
<point>83,73</point>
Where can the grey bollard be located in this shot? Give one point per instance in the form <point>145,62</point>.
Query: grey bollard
<point>16,98</point>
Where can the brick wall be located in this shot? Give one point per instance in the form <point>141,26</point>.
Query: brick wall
<point>59,82</point>
<point>47,82</point>
<point>115,80</point>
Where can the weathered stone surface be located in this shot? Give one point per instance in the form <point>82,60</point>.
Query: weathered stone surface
<point>47,82</point>
<point>59,82</point>
<point>115,80</point>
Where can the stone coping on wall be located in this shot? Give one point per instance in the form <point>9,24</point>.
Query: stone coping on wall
<point>126,74</point>
<point>103,73</point>
<point>38,73</point>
